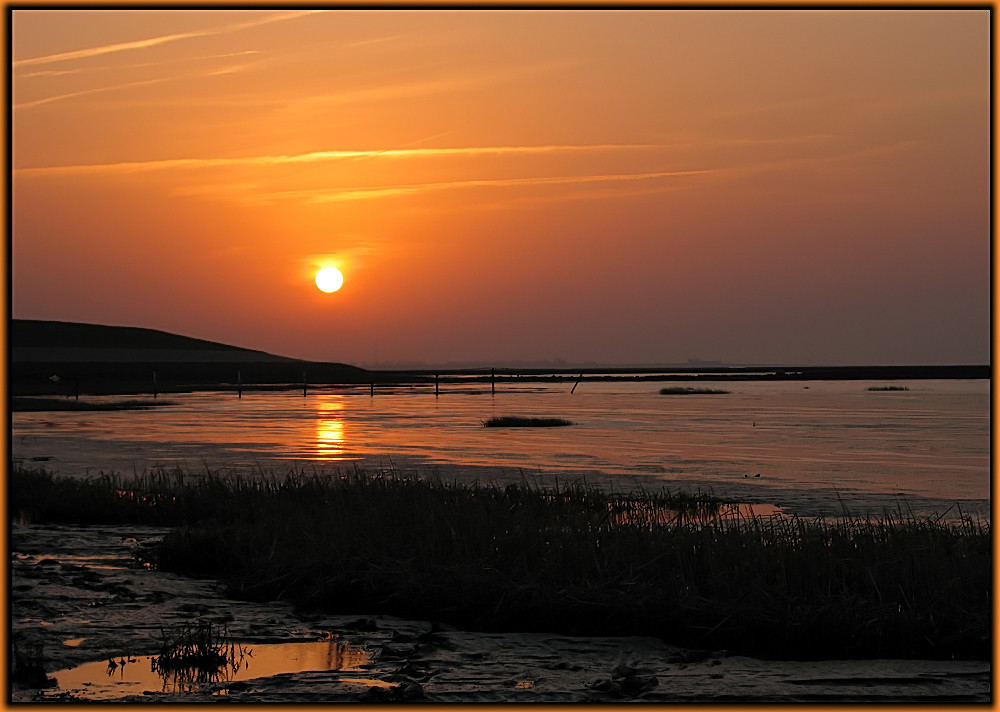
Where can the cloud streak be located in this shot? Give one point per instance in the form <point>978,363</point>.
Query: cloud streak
<point>128,85</point>
<point>85,92</point>
<point>329,195</point>
<point>155,41</point>
<point>320,156</point>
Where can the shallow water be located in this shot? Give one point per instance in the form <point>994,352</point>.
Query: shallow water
<point>102,680</point>
<point>816,442</point>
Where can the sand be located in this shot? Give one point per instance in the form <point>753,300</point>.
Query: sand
<point>76,592</point>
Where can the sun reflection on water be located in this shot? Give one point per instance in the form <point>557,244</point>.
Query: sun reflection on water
<point>330,429</point>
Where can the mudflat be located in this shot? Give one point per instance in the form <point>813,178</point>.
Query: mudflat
<point>79,598</point>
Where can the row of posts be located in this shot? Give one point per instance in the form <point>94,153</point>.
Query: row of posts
<point>305,384</point>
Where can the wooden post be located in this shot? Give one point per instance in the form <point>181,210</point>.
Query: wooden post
<point>303,384</point>
<point>493,381</point>
<point>239,384</point>
<point>435,384</point>
<point>154,384</point>
<point>576,384</point>
<point>372,386</point>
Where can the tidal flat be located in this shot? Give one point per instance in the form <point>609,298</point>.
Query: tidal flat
<point>819,447</point>
<point>524,593</point>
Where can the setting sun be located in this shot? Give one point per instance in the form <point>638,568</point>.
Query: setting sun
<point>456,211</point>
<point>329,279</point>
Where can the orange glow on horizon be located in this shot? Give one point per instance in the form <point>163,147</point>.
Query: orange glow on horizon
<point>628,187</point>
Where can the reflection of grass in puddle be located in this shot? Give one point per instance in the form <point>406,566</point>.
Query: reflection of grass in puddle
<point>201,648</point>
<point>98,680</point>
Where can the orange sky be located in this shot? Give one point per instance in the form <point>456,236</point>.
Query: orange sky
<point>623,187</point>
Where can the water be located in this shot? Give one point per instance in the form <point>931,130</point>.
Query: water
<point>113,679</point>
<point>818,446</point>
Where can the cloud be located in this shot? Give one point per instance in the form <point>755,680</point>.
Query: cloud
<point>84,92</point>
<point>319,156</point>
<point>128,85</point>
<point>327,195</point>
<point>154,41</point>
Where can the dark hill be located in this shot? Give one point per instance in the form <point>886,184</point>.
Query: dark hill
<point>68,358</point>
<point>33,333</point>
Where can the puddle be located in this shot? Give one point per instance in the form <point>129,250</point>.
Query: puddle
<point>137,675</point>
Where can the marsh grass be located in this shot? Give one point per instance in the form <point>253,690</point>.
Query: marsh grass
<point>201,645</point>
<point>888,388</point>
<point>27,404</point>
<point>519,421</point>
<point>572,559</point>
<point>688,391</point>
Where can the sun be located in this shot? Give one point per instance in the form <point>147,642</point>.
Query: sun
<point>329,279</point>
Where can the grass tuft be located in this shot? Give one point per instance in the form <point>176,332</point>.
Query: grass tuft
<point>518,421</point>
<point>687,391</point>
<point>200,646</point>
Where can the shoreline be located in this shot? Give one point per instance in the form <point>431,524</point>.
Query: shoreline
<point>119,373</point>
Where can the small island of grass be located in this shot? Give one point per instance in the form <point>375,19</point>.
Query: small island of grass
<point>888,388</point>
<point>518,421</point>
<point>688,391</point>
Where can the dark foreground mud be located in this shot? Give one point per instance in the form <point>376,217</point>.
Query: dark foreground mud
<point>78,599</point>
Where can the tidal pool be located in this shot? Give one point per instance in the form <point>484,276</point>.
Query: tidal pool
<point>136,675</point>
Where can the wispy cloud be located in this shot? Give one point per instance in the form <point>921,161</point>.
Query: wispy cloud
<point>155,41</point>
<point>373,40</point>
<point>128,85</point>
<point>133,65</point>
<point>328,195</point>
<point>319,156</point>
<point>85,92</point>
<point>50,73</point>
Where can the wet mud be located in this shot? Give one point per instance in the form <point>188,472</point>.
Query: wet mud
<point>85,616</point>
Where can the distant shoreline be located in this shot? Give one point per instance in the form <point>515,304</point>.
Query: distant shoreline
<point>72,359</point>
<point>28,378</point>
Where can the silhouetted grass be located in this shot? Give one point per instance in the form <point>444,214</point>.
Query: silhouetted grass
<point>519,421</point>
<point>198,649</point>
<point>888,388</point>
<point>25,404</point>
<point>572,559</point>
<point>688,391</point>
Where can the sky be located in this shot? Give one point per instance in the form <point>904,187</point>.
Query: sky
<point>501,187</point>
